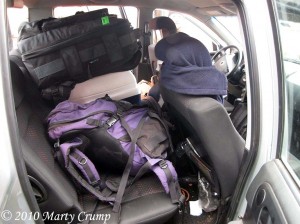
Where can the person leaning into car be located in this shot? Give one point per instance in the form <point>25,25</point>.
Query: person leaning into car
<point>187,67</point>
<point>167,27</point>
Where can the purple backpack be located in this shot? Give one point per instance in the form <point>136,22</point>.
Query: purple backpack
<point>116,136</point>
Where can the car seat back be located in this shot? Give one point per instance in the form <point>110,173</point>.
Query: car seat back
<point>207,121</point>
<point>52,188</point>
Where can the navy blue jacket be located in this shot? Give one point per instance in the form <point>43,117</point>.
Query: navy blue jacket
<point>187,67</point>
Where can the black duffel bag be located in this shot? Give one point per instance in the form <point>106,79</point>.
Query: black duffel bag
<point>77,48</point>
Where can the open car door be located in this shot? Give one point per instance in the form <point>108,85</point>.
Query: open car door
<point>273,196</point>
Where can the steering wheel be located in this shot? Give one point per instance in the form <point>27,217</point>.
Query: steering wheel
<point>228,60</point>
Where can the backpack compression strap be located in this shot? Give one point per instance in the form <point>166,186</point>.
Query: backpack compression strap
<point>133,134</point>
<point>164,169</point>
<point>166,173</point>
<point>74,157</point>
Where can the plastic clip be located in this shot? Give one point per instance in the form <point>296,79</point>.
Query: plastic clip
<point>163,164</point>
<point>112,120</point>
<point>56,144</point>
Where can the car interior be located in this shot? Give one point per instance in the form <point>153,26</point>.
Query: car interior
<point>208,137</point>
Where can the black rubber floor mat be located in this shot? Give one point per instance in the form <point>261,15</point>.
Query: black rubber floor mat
<point>205,218</point>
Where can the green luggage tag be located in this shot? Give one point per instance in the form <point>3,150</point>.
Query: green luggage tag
<point>105,20</point>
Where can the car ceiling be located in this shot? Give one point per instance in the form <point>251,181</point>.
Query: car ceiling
<point>203,7</point>
<point>203,10</point>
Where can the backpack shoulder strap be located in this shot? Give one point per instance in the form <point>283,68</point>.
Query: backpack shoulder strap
<point>153,104</point>
<point>167,175</point>
<point>75,158</point>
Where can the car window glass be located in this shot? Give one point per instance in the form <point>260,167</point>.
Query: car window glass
<point>131,12</point>
<point>15,21</point>
<point>132,15</point>
<point>231,24</point>
<point>189,25</point>
<point>288,20</point>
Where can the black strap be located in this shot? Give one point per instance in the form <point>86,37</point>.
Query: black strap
<point>50,68</point>
<point>58,93</point>
<point>122,106</point>
<point>71,169</point>
<point>173,184</point>
<point>144,169</point>
<point>146,40</point>
<point>91,176</point>
<point>88,220</point>
<point>133,135</point>
<point>86,185</point>
<point>152,103</point>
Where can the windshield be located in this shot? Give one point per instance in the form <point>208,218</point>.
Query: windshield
<point>193,27</point>
<point>230,26</point>
<point>289,30</point>
<point>290,36</point>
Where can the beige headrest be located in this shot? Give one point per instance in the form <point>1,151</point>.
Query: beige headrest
<point>118,85</point>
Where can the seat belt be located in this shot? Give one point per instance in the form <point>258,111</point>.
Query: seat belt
<point>146,38</point>
<point>145,69</point>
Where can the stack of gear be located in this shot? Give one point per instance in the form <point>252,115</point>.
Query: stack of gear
<point>58,53</point>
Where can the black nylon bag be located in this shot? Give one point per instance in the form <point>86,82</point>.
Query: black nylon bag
<point>29,29</point>
<point>60,50</point>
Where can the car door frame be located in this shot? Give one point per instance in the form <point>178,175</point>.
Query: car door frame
<point>16,195</point>
<point>264,170</point>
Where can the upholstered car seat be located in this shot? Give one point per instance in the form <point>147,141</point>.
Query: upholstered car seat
<point>144,202</point>
<point>207,122</point>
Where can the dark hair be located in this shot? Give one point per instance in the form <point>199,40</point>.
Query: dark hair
<point>164,22</point>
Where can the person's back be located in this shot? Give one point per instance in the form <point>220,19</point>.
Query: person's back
<point>182,50</point>
<point>187,67</point>
<point>167,28</point>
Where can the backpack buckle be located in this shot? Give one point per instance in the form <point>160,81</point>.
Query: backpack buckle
<point>82,161</point>
<point>163,164</point>
<point>56,144</point>
<point>95,185</point>
<point>112,120</point>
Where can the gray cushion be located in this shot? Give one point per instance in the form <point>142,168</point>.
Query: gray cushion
<point>207,120</point>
